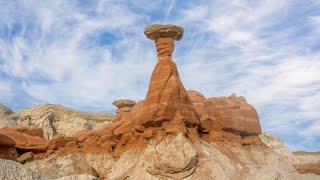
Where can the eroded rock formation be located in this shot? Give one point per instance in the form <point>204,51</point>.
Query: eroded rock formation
<point>167,101</point>
<point>55,119</point>
<point>232,114</point>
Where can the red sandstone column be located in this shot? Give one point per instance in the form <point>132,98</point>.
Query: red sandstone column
<point>167,99</point>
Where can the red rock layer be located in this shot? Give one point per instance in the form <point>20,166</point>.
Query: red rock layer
<point>26,139</point>
<point>308,168</point>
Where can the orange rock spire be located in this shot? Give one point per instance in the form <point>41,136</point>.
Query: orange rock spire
<point>166,100</point>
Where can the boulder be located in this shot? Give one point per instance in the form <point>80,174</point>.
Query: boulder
<point>174,157</point>
<point>25,157</point>
<point>24,141</point>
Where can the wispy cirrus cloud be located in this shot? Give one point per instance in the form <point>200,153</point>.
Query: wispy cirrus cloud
<point>85,54</point>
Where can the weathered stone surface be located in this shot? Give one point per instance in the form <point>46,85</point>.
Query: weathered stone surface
<point>79,177</point>
<point>9,153</point>
<point>36,132</point>
<point>231,114</point>
<point>123,103</point>
<point>12,170</point>
<point>5,110</point>
<point>7,117</point>
<point>175,157</point>
<point>61,141</point>
<point>67,164</point>
<point>56,119</point>
<point>5,141</point>
<point>277,145</point>
<point>7,150</point>
<point>157,31</point>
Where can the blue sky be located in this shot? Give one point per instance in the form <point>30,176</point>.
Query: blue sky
<point>84,54</point>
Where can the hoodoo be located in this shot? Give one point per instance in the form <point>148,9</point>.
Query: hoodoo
<point>167,101</point>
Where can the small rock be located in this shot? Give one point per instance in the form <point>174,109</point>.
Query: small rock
<point>25,157</point>
<point>139,128</point>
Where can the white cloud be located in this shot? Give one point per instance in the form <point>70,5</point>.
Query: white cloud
<point>5,91</point>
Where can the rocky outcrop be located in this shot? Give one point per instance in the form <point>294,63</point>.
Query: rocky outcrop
<point>7,117</point>
<point>277,145</point>
<point>176,157</point>
<point>63,164</point>
<point>202,160</point>
<point>124,106</point>
<point>232,114</point>
<point>10,170</point>
<point>5,110</point>
<point>56,119</point>
<point>25,141</point>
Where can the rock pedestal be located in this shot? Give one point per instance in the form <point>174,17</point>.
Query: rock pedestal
<point>166,100</point>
